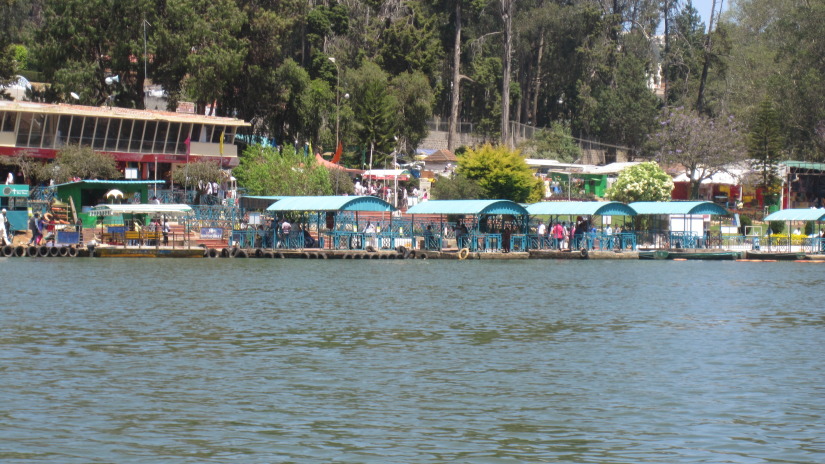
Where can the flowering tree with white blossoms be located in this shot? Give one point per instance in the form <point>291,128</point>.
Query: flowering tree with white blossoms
<point>642,182</point>
<point>703,146</point>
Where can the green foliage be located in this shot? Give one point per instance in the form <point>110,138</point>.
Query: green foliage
<point>266,171</point>
<point>777,227</point>
<point>457,187</point>
<point>197,175</point>
<point>501,173</point>
<point>79,161</point>
<point>375,111</point>
<point>810,227</point>
<point>626,110</point>
<point>410,44</point>
<point>415,100</point>
<point>642,182</point>
<point>765,144</point>
<point>554,143</point>
<point>20,54</point>
<point>744,221</point>
<point>216,51</point>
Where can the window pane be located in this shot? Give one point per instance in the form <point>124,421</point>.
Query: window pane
<point>216,133</point>
<point>185,132</point>
<point>37,130</point>
<point>172,137</point>
<point>149,136</point>
<point>88,131</point>
<point>62,131</point>
<point>136,138</point>
<point>100,133</point>
<point>24,129</point>
<point>76,130</point>
<point>113,134</point>
<point>160,137</point>
<point>49,127</point>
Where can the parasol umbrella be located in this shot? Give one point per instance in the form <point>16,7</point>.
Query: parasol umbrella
<point>114,193</point>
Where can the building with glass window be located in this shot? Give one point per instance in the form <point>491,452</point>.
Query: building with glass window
<point>139,140</point>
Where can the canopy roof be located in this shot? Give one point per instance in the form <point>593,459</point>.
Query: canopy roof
<point>678,207</point>
<point>807,214</point>
<point>113,183</point>
<point>259,202</point>
<point>167,209</point>
<point>580,208</point>
<point>468,207</point>
<point>386,174</point>
<point>330,203</point>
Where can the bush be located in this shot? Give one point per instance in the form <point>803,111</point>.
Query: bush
<point>744,221</point>
<point>777,227</point>
<point>809,228</point>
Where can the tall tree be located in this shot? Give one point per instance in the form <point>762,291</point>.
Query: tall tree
<point>375,112</point>
<point>507,11</point>
<point>765,144</point>
<point>702,146</point>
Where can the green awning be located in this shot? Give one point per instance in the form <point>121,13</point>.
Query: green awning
<point>580,208</point>
<point>330,203</point>
<point>678,207</point>
<point>469,207</point>
<point>804,165</point>
<point>800,214</point>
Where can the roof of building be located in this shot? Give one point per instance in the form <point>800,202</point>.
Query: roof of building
<point>798,214</point>
<point>441,156</point>
<point>580,208</point>
<point>468,207</point>
<point>116,112</point>
<point>331,203</point>
<point>105,183</point>
<point>804,165</point>
<point>167,209</point>
<point>678,207</point>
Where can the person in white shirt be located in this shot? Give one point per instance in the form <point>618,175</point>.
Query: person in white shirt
<point>10,178</point>
<point>541,231</point>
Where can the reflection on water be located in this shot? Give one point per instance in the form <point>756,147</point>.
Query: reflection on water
<point>410,361</point>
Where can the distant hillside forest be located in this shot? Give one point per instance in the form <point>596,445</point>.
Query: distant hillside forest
<point>372,73</point>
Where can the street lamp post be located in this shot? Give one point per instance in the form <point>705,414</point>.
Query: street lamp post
<point>337,99</point>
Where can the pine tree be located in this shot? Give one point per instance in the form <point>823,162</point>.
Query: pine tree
<point>765,144</point>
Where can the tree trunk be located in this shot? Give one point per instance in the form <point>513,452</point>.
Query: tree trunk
<point>507,18</point>
<point>534,111</point>
<point>666,67</point>
<point>700,101</point>
<point>454,101</point>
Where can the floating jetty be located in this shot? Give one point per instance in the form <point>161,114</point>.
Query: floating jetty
<point>42,251</point>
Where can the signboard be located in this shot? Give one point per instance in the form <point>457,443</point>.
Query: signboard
<point>15,190</point>
<point>211,233</point>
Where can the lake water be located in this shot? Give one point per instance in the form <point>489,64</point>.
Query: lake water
<point>267,361</point>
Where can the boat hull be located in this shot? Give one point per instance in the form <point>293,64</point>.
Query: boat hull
<point>120,252</point>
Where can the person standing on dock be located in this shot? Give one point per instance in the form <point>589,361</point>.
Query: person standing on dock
<point>165,229</point>
<point>34,229</point>
<point>541,231</point>
<point>4,229</point>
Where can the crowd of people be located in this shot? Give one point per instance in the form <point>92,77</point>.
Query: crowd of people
<point>569,236</point>
<point>407,197</point>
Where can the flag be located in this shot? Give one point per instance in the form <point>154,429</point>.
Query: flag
<point>221,143</point>
<point>338,151</point>
<point>187,142</point>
